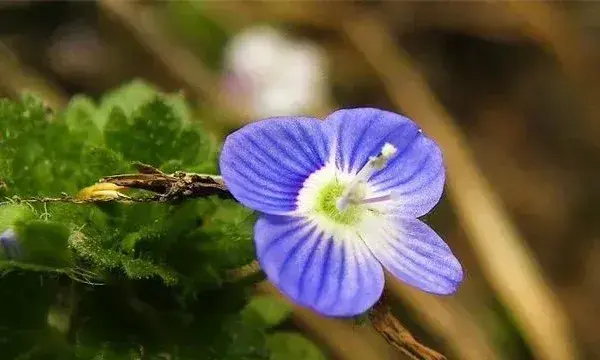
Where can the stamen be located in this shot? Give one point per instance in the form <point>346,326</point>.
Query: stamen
<point>352,193</point>
<point>376,199</point>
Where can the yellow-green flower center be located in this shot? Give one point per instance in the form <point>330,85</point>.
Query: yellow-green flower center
<point>327,205</point>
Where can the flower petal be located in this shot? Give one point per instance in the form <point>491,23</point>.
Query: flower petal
<point>415,174</point>
<point>265,163</point>
<point>334,274</point>
<point>414,253</point>
<point>361,133</point>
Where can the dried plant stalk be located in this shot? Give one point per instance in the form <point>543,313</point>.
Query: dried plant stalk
<point>392,330</point>
<point>504,257</point>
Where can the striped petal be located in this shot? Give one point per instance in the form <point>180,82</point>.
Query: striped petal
<point>414,253</point>
<point>361,133</point>
<point>334,274</point>
<point>265,163</point>
<point>416,174</point>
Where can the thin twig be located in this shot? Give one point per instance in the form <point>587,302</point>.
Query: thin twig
<point>166,188</point>
<point>393,332</point>
<point>71,199</point>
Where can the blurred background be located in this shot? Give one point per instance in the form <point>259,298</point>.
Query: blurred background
<point>509,89</point>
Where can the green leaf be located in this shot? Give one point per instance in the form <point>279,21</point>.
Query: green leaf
<point>292,346</point>
<point>45,243</point>
<point>270,310</point>
<point>200,151</point>
<point>96,162</point>
<point>117,131</point>
<point>79,118</point>
<point>137,268</point>
<point>143,269</point>
<point>38,157</point>
<point>229,230</point>
<point>149,136</point>
<point>127,98</point>
<point>13,214</point>
<point>180,106</point>
<point>135,94</point>
<point>156,128</point>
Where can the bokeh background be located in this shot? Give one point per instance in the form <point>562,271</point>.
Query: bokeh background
<point>509,89</point>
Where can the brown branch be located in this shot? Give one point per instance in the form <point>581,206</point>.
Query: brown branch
<point>171,187</point>
<point>394,333</point>
<point>174,187</point>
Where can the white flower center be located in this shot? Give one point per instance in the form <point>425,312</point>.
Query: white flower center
<point>335,198</point>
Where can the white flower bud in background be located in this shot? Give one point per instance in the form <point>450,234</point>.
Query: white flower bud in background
<point>272,75</point>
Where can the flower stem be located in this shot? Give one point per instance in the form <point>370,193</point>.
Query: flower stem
<point>243,272</point>
<point>394,333</point>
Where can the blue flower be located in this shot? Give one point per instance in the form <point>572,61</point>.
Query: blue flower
<point>339,201</point>
<point>10,244</point>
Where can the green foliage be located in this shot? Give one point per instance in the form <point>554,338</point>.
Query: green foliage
<point>292,346</point>
<point>45,243</point>
<point>267,310</point>
<point>123,280</point>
